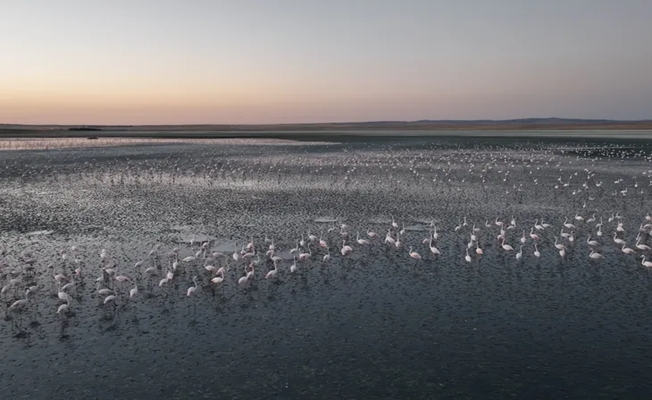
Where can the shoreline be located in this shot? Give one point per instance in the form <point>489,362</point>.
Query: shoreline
<point>335,134</point>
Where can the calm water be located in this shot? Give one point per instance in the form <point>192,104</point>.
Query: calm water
<point>374,324</point>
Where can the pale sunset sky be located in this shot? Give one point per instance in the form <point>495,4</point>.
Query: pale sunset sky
<point>278,61</point>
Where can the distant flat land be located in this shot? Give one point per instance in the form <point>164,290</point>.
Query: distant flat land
<point>554,127</point>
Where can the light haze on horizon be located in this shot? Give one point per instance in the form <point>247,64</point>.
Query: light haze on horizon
<point>284,61</point>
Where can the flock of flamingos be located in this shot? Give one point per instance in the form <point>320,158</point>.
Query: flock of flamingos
<point>199,267</point>
<point>264,260</point>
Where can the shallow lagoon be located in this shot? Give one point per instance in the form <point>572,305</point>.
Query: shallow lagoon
<point>376,323</point>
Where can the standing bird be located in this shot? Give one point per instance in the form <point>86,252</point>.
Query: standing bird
<point>19,304</point>
<point>272,273</point>
<point>220,278</point>
<point>533,235</point>
<point>361,241</point>
<point>63,309</point>
<point>595,255</point>
<point>192,289</point>
<point>592,243</point>
<point>134,291</point>
<point>646,263</point>
<point>536,251</point>
<point>414,254</point>
<point>506,247</point>
<point>346,249</point>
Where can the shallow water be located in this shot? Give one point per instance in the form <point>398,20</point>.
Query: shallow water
<point>374,324</point>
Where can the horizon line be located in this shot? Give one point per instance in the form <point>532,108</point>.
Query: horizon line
<point>485,120</point>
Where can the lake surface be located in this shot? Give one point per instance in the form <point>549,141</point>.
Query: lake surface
<point>374,323</point>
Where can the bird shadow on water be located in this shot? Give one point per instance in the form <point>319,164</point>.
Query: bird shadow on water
<point>63,335</point>
<point>110,319</point>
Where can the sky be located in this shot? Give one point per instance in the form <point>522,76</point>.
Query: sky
<point>300,61</point>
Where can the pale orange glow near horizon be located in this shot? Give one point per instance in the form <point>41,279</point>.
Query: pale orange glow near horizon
<point>146,62</point>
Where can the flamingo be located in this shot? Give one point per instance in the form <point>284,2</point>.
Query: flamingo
<point>533,235</point>
<point>346,249</point>
<point>646,263</point>
<point>617,240</point>
<point>433,249</point>
<point>244,279</point>
<point>536,251</point>
<point>192,289</point>
<point>305,256</point>
<point>322,243</point>
<point>414,254</point>
<point>250,245</point>
<point>272,273</point>
<point>389,239</point>
<point>104,291</point>
<point>361,241</point>
<point>627,250</point>
<point>506,247</point>
<point>641,246</point>
<point>220,278</point>
<point>559,245</point>
<point>568,225</point>
<point>134,291</point>
<point>63,309</point>
<point>592,243</point>
<point>595,255</point>
<point>620,228</point>
<point>19,304</point>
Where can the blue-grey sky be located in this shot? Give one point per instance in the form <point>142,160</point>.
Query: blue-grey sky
<point>269,61</point>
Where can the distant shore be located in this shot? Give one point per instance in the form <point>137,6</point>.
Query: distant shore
<point>549,127</point>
